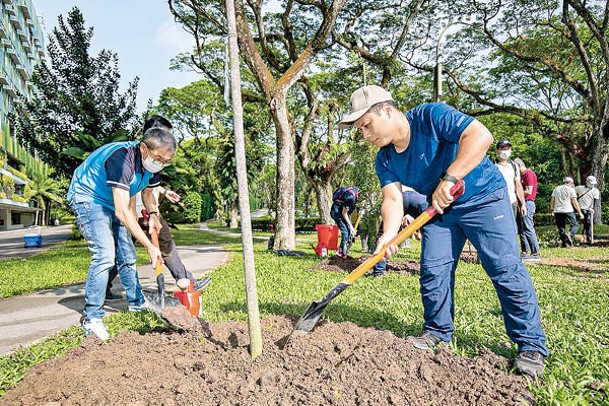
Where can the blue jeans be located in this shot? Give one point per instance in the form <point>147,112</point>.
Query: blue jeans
<point>344,230</point>
<point>588,220</point>
<point>561,222</point>
<point>528,238</point>
<point>109,241</point>
<point>489,224</point>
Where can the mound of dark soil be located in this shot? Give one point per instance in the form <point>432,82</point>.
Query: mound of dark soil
<point>340,364</point>
<point>337,264</point>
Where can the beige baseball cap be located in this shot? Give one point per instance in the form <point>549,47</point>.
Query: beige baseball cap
<point>361,101</point>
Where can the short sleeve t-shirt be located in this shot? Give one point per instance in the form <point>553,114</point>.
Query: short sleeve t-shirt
<point>435,130</point>
<point>586,197</point>
<point>511,174</point>
<point>529,178</point>
<point>562,199</point>
<point>347,199</point>
<point>118,164</point>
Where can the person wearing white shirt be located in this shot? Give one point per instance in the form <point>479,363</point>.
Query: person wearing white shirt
<point>588,197</point>
<point>511,174</point>
<point>562,205</point>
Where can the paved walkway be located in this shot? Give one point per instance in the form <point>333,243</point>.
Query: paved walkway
<point>12,243</point>
<point>27,319</point>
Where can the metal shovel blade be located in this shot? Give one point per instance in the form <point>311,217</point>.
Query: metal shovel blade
<point>158,303</point>
<point>313,313</point>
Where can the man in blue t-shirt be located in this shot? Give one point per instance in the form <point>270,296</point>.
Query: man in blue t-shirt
<point>429,149</point>
<point>102,196</point>
<point>344,200</point>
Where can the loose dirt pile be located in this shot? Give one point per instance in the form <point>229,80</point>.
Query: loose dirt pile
<point>337,264</point>
<point>404,267</point>
<point>339,364</point>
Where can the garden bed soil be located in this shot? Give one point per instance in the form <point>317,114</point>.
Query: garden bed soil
<point>594,264</point>
<point>338,264</point>
<point>336,364</point>
<point>403,267</point>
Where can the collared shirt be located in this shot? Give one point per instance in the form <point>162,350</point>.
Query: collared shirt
<point>118,164</point>
<point>511,174</point>
<point>586,196</point>
<point>562,199</point>
<point>529,178</point>
<point>435,130</point>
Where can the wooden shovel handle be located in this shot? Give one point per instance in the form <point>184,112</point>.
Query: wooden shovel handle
<point>154,236</point>
<point>456,191</point>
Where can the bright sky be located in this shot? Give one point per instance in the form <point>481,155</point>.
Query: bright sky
<point>141,32</point>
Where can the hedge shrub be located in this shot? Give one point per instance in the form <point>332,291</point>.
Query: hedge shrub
<point>192,207</point>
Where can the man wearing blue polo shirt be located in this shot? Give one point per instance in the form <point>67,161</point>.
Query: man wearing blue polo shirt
<point>102,195</point>
<point>429,149</point>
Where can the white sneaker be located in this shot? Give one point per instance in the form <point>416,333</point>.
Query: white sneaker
<point>138,308</point>
<point>97,327</point>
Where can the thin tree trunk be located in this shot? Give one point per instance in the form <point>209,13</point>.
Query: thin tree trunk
<point>599,153</point>
<point>255,332</point>
<point>285,237</point>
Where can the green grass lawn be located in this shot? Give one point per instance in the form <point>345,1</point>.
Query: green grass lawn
<point>69,262</point>
<point>573,303</point>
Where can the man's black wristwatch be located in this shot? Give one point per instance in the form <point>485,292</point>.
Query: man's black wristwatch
<point>448,177</point>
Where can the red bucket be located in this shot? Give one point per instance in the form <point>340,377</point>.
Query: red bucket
<point>327,235</point>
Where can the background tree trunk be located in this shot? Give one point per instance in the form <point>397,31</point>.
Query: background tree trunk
<point>324,191</point>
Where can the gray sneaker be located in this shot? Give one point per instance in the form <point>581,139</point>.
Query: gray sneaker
<point>531,257</point>
<point>529,363</point>
<point>428,341</point>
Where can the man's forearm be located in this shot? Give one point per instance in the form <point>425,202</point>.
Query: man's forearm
<point>392,213</point>
<point>472,149</point>
<point>150,199</point>
<point>520,193</point>
<point>130,221</point>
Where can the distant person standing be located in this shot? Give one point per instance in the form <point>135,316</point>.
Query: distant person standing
<point>563,205</point>
<point>528,238</point>
<point>511,174</point>
<point>344,200</point>
<point>588,197</point>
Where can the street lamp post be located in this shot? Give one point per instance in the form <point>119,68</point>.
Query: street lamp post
<point>437,71</point>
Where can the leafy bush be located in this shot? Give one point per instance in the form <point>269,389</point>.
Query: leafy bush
<point>7,184</point>
<point>543,219</point>
<point>192,207</point>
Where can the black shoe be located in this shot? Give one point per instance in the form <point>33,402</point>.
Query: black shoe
<point>111,296</point>
<point>529,363</point>
<point>427,341</point>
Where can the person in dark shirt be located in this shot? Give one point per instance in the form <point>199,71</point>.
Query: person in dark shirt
<point>431,148</point>
<point>344,200</point>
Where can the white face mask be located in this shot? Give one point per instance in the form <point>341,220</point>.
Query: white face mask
<point>152,166</point>
<point>505,154</point>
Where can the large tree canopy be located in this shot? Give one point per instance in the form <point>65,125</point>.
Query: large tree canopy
<point>75,93</point>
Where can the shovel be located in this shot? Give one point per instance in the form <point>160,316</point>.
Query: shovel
<point>312,314</point>
<point>352,237</point>
<point>157,301</point>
